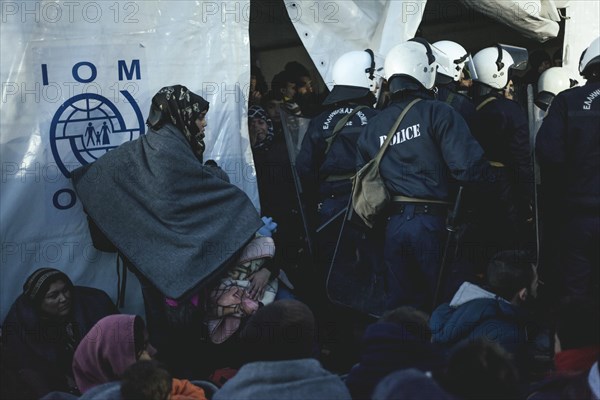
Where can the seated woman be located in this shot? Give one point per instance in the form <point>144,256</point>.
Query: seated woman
<point>44,326</point>
<point>111,348</point>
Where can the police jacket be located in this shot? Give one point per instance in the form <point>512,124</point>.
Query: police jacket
<point>432,143</point>
<point>568,145</point>
<point>501,127</point>
<point>461,103</point>
<point>327,171</point>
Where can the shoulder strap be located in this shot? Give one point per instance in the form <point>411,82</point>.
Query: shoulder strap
<point>450,98</point>
<point>341,123</point>
<point>388,139</point>
<point>484,103</point>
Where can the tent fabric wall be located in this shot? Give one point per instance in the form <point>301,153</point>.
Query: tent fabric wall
<point>581,27</point>
<point>58,58</point>
<point>329,29</point>
<point>536,19</point>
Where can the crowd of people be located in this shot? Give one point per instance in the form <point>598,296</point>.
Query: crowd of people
<point>516,318</point>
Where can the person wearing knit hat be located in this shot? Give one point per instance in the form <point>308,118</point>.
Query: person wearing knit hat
<point>44,326</point>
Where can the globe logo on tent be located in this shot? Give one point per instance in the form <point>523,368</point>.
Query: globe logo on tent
<point>87,126</point>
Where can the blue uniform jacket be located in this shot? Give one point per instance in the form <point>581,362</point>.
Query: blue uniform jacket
<point>461,103</point>
<point>314,166</point>
<point>568,144</point>
<point>501,128</point>
<point>432,144</point>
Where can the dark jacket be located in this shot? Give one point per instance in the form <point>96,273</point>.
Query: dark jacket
<point>476,313</point>
<point>501,127</point>
<point>38,351</point>
<point>388,347</point>
<point>567,145</point>
<point>433,143</point>
<point>314,166</point>
<point>461,103</point>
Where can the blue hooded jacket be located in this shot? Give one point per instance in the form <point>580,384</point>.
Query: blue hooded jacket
<point>475,313</point>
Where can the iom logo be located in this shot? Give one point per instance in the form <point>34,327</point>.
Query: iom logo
<point>88,125</point>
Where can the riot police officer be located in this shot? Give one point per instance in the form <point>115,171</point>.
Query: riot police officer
<point>501,127</point>
<point>552,81</point>
<point>449,75</point>
<point>433,142</point>
<point>568,151</point>
<point>327,158</point>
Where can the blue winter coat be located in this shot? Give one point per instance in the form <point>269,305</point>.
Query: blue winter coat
<point>476,313</point>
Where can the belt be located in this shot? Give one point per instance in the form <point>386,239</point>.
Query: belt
<point>343,177</point>
<point>497,164</point>
<point>406,199</point>
<point>438,210</point>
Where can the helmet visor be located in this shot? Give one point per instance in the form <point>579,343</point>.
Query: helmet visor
<point>441,58</point>
<point>518,54</point>
<point>469,71</point>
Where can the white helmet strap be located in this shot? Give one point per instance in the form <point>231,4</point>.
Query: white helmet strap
<point>430,56</point>
<point>499,62</point>
<point>371,69</point>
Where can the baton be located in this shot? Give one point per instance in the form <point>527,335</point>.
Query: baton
<point>451,228</point>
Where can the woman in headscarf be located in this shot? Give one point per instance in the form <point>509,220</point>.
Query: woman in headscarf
<point>276,189</point>
<point>113,345</point>
<point>110,347</point>
<point>185,110</point>
<point>176,221</point>
<point>44,326</point>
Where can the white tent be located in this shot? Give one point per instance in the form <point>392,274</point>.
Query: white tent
<point>59,59</point>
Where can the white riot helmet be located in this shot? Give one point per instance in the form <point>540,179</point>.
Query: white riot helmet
<point>590,56</point>
<point>489,71</point>
<point>552,81</point>
<point>457,57</point>
<point>414,59</point>
<point>493,64</point>
<point>353,76</point>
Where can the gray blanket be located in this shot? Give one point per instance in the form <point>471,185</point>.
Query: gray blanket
<point>174,219</point>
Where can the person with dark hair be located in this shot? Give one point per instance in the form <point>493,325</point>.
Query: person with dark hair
<point>283,90</point>
<point>496,314</point>
<point>278,341</point>
<point>306,97</point>
<point>146,380</point>
<point>567,150</point>
<point>539,61</point>
<point>400,339</point>
<point>481,370</point>
<point>44,326</point>
<point>149,380</point>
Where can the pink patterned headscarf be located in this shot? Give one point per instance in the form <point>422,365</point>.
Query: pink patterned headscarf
<point>105,352</point>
